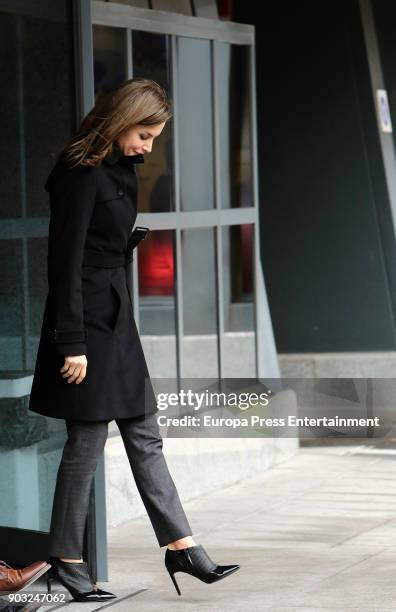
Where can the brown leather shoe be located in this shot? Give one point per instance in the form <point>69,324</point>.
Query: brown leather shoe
<point>13,580</point>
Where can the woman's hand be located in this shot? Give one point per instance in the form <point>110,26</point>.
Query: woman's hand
<point>74,368</point>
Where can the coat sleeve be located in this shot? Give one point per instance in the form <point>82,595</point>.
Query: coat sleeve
<point>72,200</point>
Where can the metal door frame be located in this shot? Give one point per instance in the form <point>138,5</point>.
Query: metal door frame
<point>129,18</point>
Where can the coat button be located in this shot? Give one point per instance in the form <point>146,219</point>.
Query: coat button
<point>120,192</point>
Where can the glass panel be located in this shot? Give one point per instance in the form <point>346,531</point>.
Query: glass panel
<point>36,118</point>
<point>200,341</point>
<point>151,59</point>
<point>156,175</point>
<point>239,338</point>
<point>157,304</point>
<point>29,120</point>
<point>38,288</point>
<point>48,106</point>
<point>109,50</point>
<point>235,150</point>
<point>150,53</point>
<point>238,277</point>
<point>12,356</point>
<point>195,117</point>
<point>9,125</point>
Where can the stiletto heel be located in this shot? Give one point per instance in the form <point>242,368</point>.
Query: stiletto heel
<point>76,579</point>
<point>195,561</point>
<point>174,582</point>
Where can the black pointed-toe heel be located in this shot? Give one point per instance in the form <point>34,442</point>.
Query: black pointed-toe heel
<point>76,579</point>
<point>195,561</point>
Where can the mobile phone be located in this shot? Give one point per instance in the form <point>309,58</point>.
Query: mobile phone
<point>140,231</point>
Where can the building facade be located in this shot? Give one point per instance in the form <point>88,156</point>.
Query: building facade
<point>198,289</point>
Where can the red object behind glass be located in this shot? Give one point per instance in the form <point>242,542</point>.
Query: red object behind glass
<point>156,265</point>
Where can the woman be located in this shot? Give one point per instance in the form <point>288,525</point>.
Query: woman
<point>90,366</point>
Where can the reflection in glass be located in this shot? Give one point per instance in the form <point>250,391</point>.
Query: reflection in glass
<point>200,341</point>
<point>239,336</point>
<point>109,51</point>
<point>157,310</point>
<point>235,149</point>
<point>151,59</point>
<point>195,123</point>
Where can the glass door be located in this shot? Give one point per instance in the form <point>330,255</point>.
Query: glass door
<point>194,277</point>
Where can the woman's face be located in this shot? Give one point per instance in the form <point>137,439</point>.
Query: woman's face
<point>139,138</point>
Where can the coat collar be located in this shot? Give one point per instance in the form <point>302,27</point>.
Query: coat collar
<point>117,155</point>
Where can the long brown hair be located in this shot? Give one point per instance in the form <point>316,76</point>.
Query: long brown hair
<point>136,101</point>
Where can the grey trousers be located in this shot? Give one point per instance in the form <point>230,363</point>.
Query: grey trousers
<point>143,444</point>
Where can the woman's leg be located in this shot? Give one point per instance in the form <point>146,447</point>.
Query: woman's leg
<point>84,446</point>
<point>143,444</point>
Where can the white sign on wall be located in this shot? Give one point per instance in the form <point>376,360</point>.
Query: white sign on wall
<point>383,111</point>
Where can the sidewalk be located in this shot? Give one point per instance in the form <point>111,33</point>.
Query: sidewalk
<point>317,532</point>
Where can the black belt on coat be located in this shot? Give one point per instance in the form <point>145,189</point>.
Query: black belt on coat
<point>101,260</point>
<point>113,260</point>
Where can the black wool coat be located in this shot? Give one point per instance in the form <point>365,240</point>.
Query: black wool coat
<point>88,309</point>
